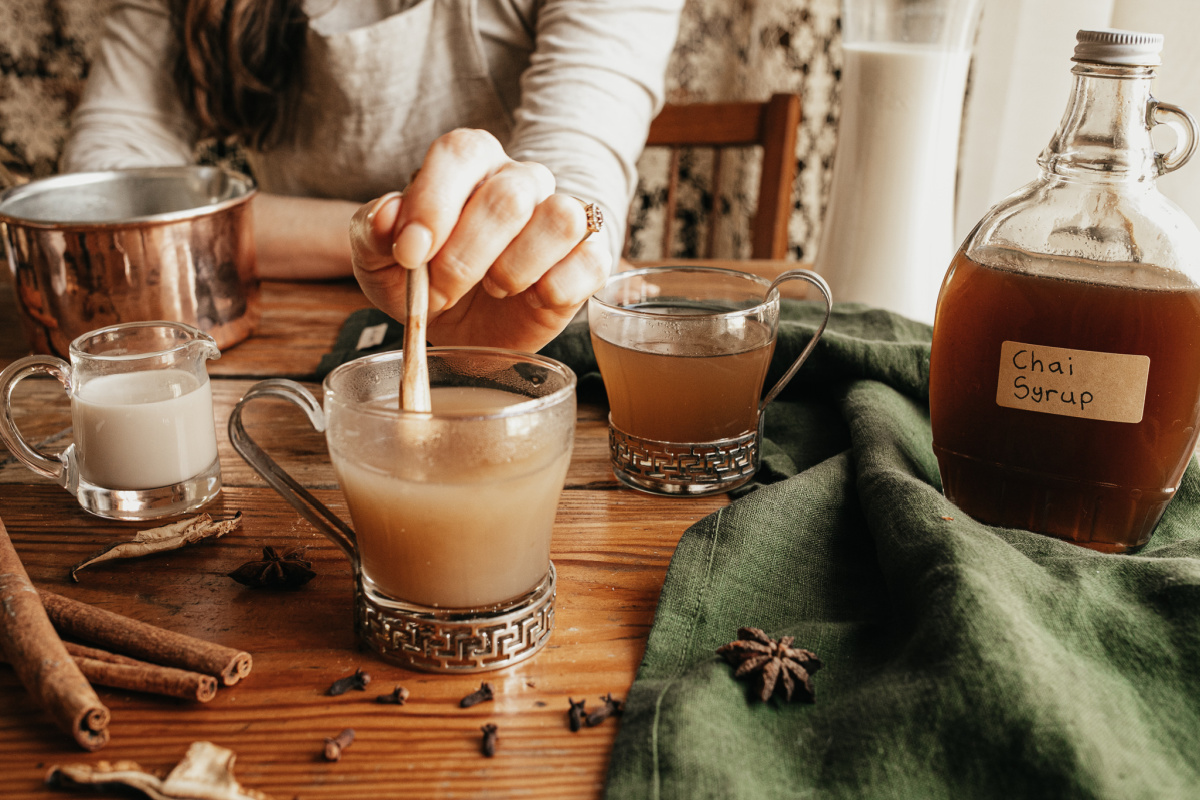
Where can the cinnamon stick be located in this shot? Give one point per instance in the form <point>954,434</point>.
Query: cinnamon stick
<point>144,641</point>
<point>121,672</point>
<point>41,661</point>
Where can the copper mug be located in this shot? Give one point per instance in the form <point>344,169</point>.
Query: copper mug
<point>93,249</point>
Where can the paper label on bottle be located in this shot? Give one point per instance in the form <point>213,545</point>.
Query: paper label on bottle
<point>1073,383</point>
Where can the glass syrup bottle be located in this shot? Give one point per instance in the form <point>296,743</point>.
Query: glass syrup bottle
<point>1065,370</point>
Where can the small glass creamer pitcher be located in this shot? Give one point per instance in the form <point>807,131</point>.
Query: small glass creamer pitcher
<point>145,443</point>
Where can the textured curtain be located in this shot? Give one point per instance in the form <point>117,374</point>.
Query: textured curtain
<point>747,50</point>
<point>45,47</point>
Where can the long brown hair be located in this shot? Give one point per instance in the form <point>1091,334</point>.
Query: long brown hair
<point>238,67</point>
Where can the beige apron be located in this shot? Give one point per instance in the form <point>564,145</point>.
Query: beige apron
<point>374,99</point>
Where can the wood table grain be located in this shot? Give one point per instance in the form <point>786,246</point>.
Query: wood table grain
<point>611,547</point>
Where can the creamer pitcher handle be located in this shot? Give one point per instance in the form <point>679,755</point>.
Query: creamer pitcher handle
<point>1183,125</point>
<point>819,282</point>
<point>61,469</point>
<point>301,499</point>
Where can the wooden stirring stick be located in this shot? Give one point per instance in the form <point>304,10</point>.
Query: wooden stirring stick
<point>414,384</point>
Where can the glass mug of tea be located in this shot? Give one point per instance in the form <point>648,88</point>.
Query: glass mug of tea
<point>684,353</point>
<point>452,510</point>
<point>145,443</point>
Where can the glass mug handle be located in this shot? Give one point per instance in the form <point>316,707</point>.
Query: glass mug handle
<point>63,469</point>
<point>301,499</point>
<point>819,282</point>
<point>1183,125</point>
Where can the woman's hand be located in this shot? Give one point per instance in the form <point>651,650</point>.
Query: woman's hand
<point>510,261</point>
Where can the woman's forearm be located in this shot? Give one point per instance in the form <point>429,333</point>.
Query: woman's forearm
<point>302,237</point>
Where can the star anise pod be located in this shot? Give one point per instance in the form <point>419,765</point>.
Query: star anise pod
<point>774,664</point>
<point>289,571</point>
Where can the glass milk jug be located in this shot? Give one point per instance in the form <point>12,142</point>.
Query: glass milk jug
<point>888,228</point>
<point>1065,371</point>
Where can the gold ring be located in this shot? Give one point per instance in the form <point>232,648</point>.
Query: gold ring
<point>595,217</point>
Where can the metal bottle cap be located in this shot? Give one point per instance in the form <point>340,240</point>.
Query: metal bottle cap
<point>1119,48</point>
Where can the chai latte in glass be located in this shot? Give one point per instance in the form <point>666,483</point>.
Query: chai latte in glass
<point>461,518</point>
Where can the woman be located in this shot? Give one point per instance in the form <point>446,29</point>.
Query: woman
<point>519,114</point>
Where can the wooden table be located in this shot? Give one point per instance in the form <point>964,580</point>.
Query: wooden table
<point>611,547</point>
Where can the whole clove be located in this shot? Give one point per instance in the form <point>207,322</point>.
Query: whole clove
<point>611,708</point>
<point>357,681</point>
<point>480,695</point>
<point>398,697</point>
<point>488,745</point>
<point>337,745</point>
<point>576,714</point>
<point>274,571</point>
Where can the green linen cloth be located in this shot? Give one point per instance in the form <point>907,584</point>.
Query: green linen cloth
<point>365,332</point>
<point>961,660</point>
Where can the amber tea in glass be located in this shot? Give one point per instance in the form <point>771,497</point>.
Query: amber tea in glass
<point>684,353</point>
<point>1035,435</point>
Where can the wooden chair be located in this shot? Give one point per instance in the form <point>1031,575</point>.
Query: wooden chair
<point>771,125</point>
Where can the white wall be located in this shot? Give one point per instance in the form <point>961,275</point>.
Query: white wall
<point>1021,78</point>
<point>1178,79</point>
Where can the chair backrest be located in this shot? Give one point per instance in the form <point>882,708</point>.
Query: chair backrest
<point>771,125</point>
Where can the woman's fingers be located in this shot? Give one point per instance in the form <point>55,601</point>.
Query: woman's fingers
<point>455,164</point>
<point>371,233</point>
<point>510,261</point>
<point>568,284</point>
<point>381,280</point>
<point>557,226</point>
<point>499,211</point>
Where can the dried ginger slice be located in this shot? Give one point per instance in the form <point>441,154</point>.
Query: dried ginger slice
<point>205,773</point>
<point>159,540</point>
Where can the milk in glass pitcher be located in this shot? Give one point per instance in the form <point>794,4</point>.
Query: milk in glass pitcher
<point>888,229</point>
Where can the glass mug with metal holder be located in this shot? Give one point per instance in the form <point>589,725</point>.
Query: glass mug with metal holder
<point>684,353</point>
<point>452,510</point>
<point>141,406</point>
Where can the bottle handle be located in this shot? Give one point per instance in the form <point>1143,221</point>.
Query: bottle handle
<point>62,469</point>
<point>300,498</point>
<point>819,282</point>
<point>1184,126</point>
